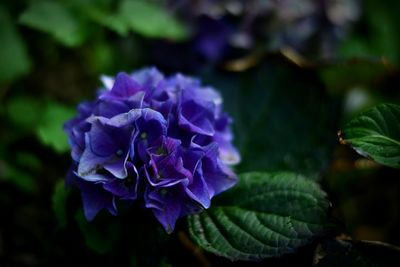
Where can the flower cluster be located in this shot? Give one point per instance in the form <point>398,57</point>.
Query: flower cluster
<point>163,141</point>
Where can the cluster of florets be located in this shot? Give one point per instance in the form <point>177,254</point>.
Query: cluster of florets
<point>163,141</point>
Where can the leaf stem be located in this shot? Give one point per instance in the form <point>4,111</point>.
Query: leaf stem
<point>196,251</point>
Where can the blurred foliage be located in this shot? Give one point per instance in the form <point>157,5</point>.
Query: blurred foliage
<point>376,134</point>
<point>13,50</point>
<point>378,33</point>
<point>287,109</point>
<point>100,239</point>
<point>281,118</point>
<point>53,18</point>
<point>59,200</point>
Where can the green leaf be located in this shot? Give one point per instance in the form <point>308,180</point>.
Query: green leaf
<point>47,124</point>
<point>20,112</point>
<point>13,51</point>
<point>22,179</point>
<point>265,215</point>
<point>114,22</point>
<point>54,18</point>
<point>377,34</point>
<point>151,20</point>
<point>59,203</point>
<point>99,236</point>
<point>280,123</point>
<point>50,130</point>
<point>376,134</point>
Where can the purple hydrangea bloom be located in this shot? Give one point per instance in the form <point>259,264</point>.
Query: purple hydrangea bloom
<point>164,141</point>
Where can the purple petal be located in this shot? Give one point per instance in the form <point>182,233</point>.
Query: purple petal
<point>198,189</point>
<point>125,188</point>
<point>148,76</point>
<point>101,141</point>
<point>217,176</point>
<point>192,158</point>
<point>95,198</point>
<point>195,118</point>
<point>117,167</point>
<point>76,128</point>
<point>167,172</point>
<point>166,205</point>
<point>123,87</point>
<point>107,146</point>
<point>151,126</point>
<point>110,107</point>
<point>90,163</point>
<point>227,152</point>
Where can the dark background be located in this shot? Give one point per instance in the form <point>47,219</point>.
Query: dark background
<point>288,91</point>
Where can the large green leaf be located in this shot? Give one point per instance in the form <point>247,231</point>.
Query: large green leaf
<point>19,111</point>
<point>376,134</point>
<point>54,18</point>
<point>104,16</point>
<point>22,179</point>
<point>151,20</point>
<point>265,215</point>
<point>47,124</point>
<point>280,123</point>
<point>13,54</point>
<point>50,130</point>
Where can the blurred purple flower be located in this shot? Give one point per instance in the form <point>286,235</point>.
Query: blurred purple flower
<point>227,29</point>
<point>162,140</point>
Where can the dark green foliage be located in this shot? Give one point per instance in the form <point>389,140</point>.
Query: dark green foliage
<point>265,215</point>
<point>376,134</point>
<point>13,54</point>
<point>101,238</point>
<point>54,18</point>
<point>59,201</point>
<point>280,123</point>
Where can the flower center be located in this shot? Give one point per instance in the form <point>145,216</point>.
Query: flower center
<point>163,192</point>
<point>161,151</point>
<point>119,152</point>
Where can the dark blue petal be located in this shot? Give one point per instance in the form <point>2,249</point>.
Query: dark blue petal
<point>196,118</point>
<point>227,152</point>
<point>166,204</point>
<point>197,189</point>
<point>125,188</point>
<point>148,76</point>
<point>110,107</point>
<point>94,198</point>
<point>167,171</point>
<point>151,126</point>
<point>124,87</point>
<point>217,176</point>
